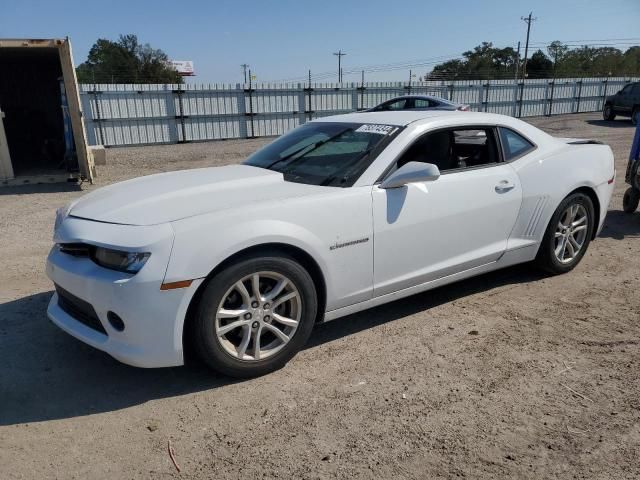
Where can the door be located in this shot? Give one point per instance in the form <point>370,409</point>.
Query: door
<point>635,96</point>
<point>6,169</point>
<point>85,157</point>
<point>625,100</point>
<point>425,231</point>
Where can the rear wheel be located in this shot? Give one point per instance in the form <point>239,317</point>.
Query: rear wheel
<point>568,234</point>
<point>608,113</point>
<point>630,200</point>
<point>254,316</point>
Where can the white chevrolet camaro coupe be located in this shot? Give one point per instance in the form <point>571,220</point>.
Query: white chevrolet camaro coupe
<point>340,214</point>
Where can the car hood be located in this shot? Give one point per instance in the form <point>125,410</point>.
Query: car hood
<point>166,197</point>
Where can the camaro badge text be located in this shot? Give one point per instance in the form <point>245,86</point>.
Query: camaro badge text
<point>348,244</point>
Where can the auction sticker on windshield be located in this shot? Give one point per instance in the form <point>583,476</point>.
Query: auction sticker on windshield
<point>379,129</point>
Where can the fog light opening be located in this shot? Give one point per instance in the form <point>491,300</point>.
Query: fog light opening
<point>115,321</point>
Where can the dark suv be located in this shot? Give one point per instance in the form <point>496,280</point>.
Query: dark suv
<point>626,103</point>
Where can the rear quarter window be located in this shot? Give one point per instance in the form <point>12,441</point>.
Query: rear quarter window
<point>514,145</point>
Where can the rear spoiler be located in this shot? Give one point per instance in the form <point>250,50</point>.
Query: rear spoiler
<point>580,141</point>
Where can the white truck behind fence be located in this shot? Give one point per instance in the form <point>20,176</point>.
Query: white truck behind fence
<point>118,115</point>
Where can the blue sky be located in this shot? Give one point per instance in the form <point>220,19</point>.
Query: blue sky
<point>282,39</point>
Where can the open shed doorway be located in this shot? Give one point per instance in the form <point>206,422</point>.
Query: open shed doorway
<point>31,100</point>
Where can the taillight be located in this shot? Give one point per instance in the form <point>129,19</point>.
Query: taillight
<point>463,108</point>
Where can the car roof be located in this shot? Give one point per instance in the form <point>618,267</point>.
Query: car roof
<point>402,118</point>
<point>440,118</point>
<point>428,97</point>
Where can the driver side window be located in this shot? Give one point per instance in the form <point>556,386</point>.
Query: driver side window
<point>454,149</point>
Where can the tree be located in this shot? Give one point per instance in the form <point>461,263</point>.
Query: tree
<point>487,62</point>
<point>126,61</point>
<point>539,66</point>
<point>557,50</point>
<point>484,61</point>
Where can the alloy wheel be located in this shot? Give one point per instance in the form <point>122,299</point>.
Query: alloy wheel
<point>571,233</point>
<point>258,316</point>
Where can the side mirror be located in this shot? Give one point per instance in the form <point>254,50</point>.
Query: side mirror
<point>412,172</point>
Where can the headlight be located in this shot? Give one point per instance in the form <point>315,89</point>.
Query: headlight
<point>61,214</point>
<point>128,262</point>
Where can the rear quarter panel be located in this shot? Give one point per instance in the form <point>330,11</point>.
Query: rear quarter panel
<point>551,173</point>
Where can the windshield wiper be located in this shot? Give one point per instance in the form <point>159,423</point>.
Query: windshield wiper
<point>331,178</point>
<point>314,146</point>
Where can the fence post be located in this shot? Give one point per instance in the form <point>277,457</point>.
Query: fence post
<point>170,103</point>
<point>605,84</point>
<point>361,89</point>
<point>579,84</point>
<point>302,103</point>
<point>521,99</point>
<point>553,86</point>
<point>451,87</point>
<point>574,95</point>
<point>250,113</point>
<point>98,118</point>
<point>484,103</point>
<point>180,116</point>
<point>308,109</point>
<point>242,112</point>
<point>514,109</point>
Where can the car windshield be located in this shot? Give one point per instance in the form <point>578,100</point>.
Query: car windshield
<point>325,153</point>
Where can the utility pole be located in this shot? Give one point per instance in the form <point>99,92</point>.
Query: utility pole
<point>517,62</point>
<point>528,21</point>
<point>339,54</point>
<point>244,67</point>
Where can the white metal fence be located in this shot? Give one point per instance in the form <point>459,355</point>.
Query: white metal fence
<point>117,115</point>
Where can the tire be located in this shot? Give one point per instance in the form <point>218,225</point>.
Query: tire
<point>635,113</point>
<point>232,351</point>
<point>630,200</point>
<point>548,259</point>
<point>608,113</point>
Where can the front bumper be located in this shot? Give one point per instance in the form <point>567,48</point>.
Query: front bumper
<point>152,336</point>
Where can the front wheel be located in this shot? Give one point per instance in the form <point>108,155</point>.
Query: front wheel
<point>630,200</point>
<point>255,315</point>
<point>608,113</point>
<point>635,113</point>
<point>568,234</point>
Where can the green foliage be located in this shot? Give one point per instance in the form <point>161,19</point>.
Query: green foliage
<point>126,61</point>
<point>539,66</point>
<point>487,62</point>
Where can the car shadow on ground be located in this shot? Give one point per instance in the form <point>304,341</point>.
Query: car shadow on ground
<point>46,374</point>
<point>618,123</point>
<point>620,225</point>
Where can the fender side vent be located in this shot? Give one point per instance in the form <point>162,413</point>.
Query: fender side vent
<point>535,216</point>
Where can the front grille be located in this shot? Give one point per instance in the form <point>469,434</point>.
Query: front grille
<point>79,309</point>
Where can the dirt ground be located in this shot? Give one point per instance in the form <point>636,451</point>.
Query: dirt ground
<point>509,375</point>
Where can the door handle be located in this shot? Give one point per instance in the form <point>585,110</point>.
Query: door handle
<point>504,186</point>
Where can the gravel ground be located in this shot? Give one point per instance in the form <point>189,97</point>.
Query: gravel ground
<point>509,375</point>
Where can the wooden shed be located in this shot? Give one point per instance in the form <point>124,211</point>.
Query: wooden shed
<point>42,136</point>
